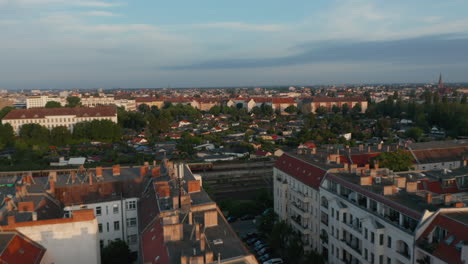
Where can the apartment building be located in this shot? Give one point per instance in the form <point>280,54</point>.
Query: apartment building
<point>296,185</point>
<point>53,117</point>
<point>112,193</point>
<point>358,214</point>
<point>29,208</point>
<point>180,224</point>
<point>41,101</point>
<point>310,105</point>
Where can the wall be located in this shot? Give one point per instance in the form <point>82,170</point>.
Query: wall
<point>108,216</point>
<point>75,242</point>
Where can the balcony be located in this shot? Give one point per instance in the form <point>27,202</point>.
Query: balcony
<point>303,213</point>
<point>354,245</point>
<point>404,253</point>
<point>296,223</point>
<point>301,196</point>
<point>354,227</point>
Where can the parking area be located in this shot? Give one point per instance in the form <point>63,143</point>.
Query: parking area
<point>247,231</point>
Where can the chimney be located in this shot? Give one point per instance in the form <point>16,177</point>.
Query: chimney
<point>389,190</point>
<point>156,172</point>
<point>73,176</point>
<point>376,165</point>
<point>379,146</point>
<point>202,242</point>
<point>190,218</point>
<point>90,176</point>
<point>116,170</point>
<point>411,187</point>
<point>361,147</point>
<point>34,216</point>
<point>53,176</point>
<point>368,149</point>
<point>11,220</point>
<point>314,150</point>
<point>209,257</point>
<point>143,171</point>
<point>448,199</point>
<point>98,172</point>
<point>52,187</point>
<point>388,148</point>
<point>197,232</point>
<point>428,197</point>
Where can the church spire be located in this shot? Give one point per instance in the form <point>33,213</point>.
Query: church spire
<point>441,84</point>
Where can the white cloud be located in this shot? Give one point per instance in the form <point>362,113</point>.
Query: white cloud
<point>243,26</point>
<point>100,4</point>
<point>100,13</point>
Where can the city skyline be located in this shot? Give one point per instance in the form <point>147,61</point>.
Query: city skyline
<point>111,44</point>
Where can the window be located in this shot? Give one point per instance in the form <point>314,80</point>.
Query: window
<point>365,254</point>
<point>333,212</point>
<point>116,209</point>
<point>100,228</point>
<point>131,205</point>
<point>131,222</point>
<point>389,260</point>
<point>381,259</point>
<point>98,210</point>
<point>116,225</point>
<point>101,243</point>
<point>372,258</point>
<point>337,215</point>
<point>372,237</point>
<point>381,239</point>
<point>107,226</point>
<point>365,233</point>
<point>132,239</point>
<point>389,242</point>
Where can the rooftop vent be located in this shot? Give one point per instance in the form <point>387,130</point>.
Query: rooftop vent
<point>218,242</point>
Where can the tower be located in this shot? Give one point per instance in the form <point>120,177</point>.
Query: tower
<point>441,84</point>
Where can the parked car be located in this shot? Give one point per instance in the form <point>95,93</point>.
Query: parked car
<point>263,251</point>
<point>265,257</point>
<point>257,243</point>
<point>247,217</point>
<point>259,246</point>
<point>274,261</point>
<point>232,219</point>
<point>252,240</point>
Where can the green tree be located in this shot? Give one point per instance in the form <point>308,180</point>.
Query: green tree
<point>292,109</point>
<point>463,100</point>
<point>117,252</point>
<point>34,134</point>
<point>357,108</point>
<point>5,110</point>
<point>335,109</point>
<point>7,135</point>
<point>345,109</point>
<point>144,108</point>
<point>397,161</point>
<point>321,110</point>
<point>60,136</point>
<point>414,133</point>
<point>53,104</point>
<point>73,101</point>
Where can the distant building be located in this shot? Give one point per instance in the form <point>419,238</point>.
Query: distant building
<point>181,224</point>
<point>42,100</point>
<point>53,117</point>
<point>310,105</point>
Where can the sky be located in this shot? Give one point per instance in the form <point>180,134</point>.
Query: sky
<point>210,43</point>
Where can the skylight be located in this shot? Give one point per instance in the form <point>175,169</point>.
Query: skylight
<point>449,240</point>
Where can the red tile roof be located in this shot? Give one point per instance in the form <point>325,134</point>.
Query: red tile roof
<point>283,101</point>
<point>78,111</point>
<point>447,253</point>
<point>303,171</point>
<point>338,99</point>
<point>436,187</point>
<point>147,99</point>
<point>20,249</point>
<point>152,244</point>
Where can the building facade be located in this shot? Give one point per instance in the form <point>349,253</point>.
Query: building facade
<point>54,117</point>
<point>42,100</point>
<point>116,220</point>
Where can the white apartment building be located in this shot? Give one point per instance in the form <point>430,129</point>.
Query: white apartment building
<point>361,225</point>
<point>358,215</point>
<point>296,197</point>
<point>42,100</point>
<point>117,220</point>
<point>53,117</point>
<point>66,240</point>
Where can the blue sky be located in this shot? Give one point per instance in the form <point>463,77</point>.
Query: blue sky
<point>90,44</point>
